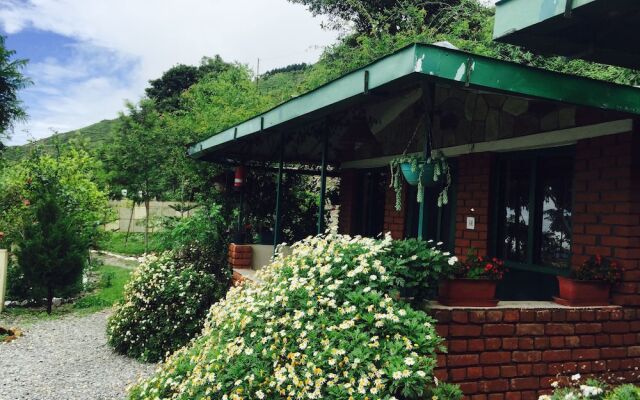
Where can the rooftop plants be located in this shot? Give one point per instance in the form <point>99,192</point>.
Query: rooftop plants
<point>320,325</point>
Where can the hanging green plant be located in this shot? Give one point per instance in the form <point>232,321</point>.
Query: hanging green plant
<point>416,171</point>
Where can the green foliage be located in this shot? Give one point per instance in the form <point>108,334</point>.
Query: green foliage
<point>11,81</point>
<point>321,325</point>
<point>164,306</point>
<point>109,291</point>
<point>116,242</point>
<point>53,253</point>
<point>598,268</point>
<point>73,171</point>
<point>624,392</point>
<point>446,391</point>
<point>418,266</point>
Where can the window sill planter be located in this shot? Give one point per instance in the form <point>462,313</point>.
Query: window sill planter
<point>468,293</point>
<point>412,176</point>
<point>582,293</point>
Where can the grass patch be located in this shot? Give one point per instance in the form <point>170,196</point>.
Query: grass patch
<point>108,291</point>
<point>114,242</point>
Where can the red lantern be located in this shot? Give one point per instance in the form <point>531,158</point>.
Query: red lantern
<point>238,181</point>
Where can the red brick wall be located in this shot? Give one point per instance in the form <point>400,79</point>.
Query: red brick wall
<point>348,180</point>
<point>394,220</point>
<point>606,219</point>
<point>515,354</point>
<point>240,255</point>
<point>474,185</point>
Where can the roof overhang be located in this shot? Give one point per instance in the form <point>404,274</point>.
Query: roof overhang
<point>603,31</point>
<point>413,66</point>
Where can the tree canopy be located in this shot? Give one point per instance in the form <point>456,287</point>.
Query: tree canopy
<point>11,81</point>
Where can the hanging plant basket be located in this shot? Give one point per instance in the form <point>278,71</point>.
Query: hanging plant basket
<point>412,176</point>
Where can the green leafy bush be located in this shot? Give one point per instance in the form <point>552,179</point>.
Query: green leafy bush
<point>319,325</point>
<point>165,304</point>
<point>418,266</point>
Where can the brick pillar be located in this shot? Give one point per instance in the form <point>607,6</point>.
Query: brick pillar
<point>474,184</point>
<point>394,220</point>
<point>606,216</point>
<point>240,255</point>
<point>348,181</point>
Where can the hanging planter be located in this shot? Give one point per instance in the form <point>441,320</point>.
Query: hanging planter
<point>418,172</point>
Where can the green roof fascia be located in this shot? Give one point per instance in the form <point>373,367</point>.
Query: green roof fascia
<point>514,15</point>
<point>441,64</point>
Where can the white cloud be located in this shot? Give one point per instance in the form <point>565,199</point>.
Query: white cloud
<point>124,43</point>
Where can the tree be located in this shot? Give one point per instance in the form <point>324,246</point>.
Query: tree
<point>53,253</point>
<point>138,155</point>
<point>11,80</point>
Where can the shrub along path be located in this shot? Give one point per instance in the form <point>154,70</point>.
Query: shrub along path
<point>66,358</point>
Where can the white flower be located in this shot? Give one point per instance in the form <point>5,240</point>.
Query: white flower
<point>555,384</point>
<point>453,260</point>
<point>409,361</point>
<point>575,377</point>
<point>544,397</point>
<point>397,375</point>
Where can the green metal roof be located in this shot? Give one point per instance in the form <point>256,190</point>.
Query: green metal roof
<point>603,31</point>
<point>426,62</point>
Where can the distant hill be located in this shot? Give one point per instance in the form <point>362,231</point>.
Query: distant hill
<point>91,136</point>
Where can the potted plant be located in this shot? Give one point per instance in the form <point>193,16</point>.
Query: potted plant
<point>423,173</point>
<point>589,284</point>
<point>472,282</point>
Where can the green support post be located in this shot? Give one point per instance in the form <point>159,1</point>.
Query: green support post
<point>276,228</point>
<point>323,183</point>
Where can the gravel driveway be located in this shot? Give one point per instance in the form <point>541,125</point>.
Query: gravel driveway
<point>66,359</point>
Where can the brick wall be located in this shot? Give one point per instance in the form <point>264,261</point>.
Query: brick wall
<point>394,220</point>
<point>240,255</point>
<point>606,217</point>
<point>348,181</point>
<point>474,185</point>
<point>515,354</point>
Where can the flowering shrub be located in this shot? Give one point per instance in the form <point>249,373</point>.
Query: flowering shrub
<point>591,389</point>
<point>319,326</point>
<point>478,267</point>
<point>164,306</point>
<point>418,266</point>
<point>598,268</point>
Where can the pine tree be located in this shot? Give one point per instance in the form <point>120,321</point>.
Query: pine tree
<point>53,253</point>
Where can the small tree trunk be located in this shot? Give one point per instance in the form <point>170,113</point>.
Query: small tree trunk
<point>49,299</point>
<point>146,227</point>
<point>126,237</point>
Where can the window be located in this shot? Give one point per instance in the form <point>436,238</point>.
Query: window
<point>369,214</point>
<point>534,210</point>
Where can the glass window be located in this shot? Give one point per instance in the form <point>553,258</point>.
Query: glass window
<point>534,208</point>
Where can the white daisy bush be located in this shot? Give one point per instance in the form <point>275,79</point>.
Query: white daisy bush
<point>319,325</point>
<point>165,304</point>
<point>591,389</point>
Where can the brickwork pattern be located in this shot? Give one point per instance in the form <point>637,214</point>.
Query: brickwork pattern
<point>515,354</point>
<point>606,215</point>
<point>474,184</point>
<point>240,255</point>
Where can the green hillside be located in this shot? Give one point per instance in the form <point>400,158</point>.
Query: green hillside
<point>91,137</point>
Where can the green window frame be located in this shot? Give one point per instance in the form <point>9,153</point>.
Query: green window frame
<point>534,231</point>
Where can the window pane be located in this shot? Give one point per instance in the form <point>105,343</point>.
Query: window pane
<point>516,211</point>
<point>555,201</point>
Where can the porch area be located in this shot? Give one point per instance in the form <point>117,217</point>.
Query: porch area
<point>545,174</point>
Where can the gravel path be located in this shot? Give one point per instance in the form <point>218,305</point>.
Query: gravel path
<point>66,359</point>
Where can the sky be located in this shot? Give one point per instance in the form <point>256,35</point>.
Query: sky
<point>86,57</point>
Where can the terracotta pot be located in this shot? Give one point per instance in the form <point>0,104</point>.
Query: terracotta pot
<point>468,292</point>
<point>582,293</point>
